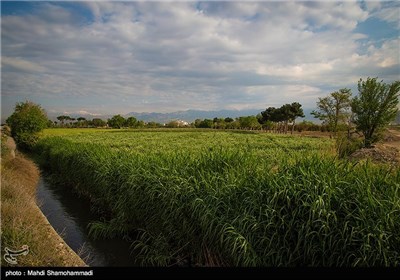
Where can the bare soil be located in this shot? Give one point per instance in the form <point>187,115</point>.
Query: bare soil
<point>386,151</point>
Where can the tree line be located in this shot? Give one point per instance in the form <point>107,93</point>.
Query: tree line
<point>368,113</point>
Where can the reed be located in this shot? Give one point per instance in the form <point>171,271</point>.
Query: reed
<point>227,199</point>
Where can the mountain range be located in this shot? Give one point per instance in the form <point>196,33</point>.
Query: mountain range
<point>188,115</point>
<point>191,115</point>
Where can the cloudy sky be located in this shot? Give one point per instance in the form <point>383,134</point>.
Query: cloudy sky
<point>118,57</point>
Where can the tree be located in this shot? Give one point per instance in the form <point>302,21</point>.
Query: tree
<point>26,122</point>
<point>153,125</point>
<point>295,111</point>
<point>283,115</point>
<point>62,119</point>
<point>249,122</point>
<point>116,121</point>
<point>81,122</point>
<point>197,123</point>
<point>219,123</point>
<point>131,122</point>
<point>140,124</point>
<point>374,107</point>
<point>268,118</point>
<point>96,122</point>
<point>267,115</point>
<point>334,109</point>
<point>206,123</point>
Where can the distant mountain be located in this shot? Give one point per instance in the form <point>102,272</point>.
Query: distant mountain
<point>191,115</point>
<point>53,116</point>
<point>188,115</point>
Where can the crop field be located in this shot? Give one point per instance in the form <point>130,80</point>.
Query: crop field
<point>230,198</point>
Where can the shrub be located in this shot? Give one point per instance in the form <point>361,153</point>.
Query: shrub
<point>27,120</point>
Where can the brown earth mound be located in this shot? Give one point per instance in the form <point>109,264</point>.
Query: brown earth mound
<point>391,136</point>
<point>379,153</point>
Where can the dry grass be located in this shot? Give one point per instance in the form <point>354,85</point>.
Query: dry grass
<point>22,222</point>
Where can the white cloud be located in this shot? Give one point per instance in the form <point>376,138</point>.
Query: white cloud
<point>147,56</point>
<point>22,64</point>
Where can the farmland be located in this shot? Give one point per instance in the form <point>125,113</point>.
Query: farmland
<point>230,198</point>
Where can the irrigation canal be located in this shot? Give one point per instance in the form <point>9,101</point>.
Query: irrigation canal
<point>70,215</point>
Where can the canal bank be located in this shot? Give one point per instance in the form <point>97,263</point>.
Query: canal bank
<point>23,225</point>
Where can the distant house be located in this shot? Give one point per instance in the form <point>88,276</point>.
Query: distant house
<point>182,123</point>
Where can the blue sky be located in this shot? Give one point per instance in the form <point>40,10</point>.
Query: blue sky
<point>118,57</point>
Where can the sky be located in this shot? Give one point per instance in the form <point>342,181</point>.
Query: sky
<point>112,57</point>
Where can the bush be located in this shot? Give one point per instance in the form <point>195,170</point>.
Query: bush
<point>27,120</point>
<point>26,141</point>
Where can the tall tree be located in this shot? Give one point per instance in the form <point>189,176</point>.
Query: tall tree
<point>375,107</point>
<point>334,109</point>
<point>295,112</point>
<point>272,115</point>
<point>285,116</point>
<point>63,118</point>
<point>81,122</point>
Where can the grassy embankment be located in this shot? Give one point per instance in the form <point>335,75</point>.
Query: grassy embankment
<point>22,222</point>
<point>232,199</point>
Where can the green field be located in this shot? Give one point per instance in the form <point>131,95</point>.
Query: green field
<point>231,198</point>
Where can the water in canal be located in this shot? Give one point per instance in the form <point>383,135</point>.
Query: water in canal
<point>70,215</point>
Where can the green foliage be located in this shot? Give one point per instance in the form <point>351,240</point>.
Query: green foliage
<point>27,120</point>
<point>334,109</point>
<point>249,122</point>
<point>4,149</point>
<point>131,122</point>
<point>63,118</point>
<point>96,122</point>
<point>307,126</point>
<point>285,114</point>
<point>116,121</point>
<point>153,125</point>
<point>26,140</point>
<point>375,107</point>
<point>346,145</point>
<point>232,199</point>
<point>206,123</point>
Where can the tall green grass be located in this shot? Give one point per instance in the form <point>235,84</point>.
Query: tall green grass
<point>233,200</point>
